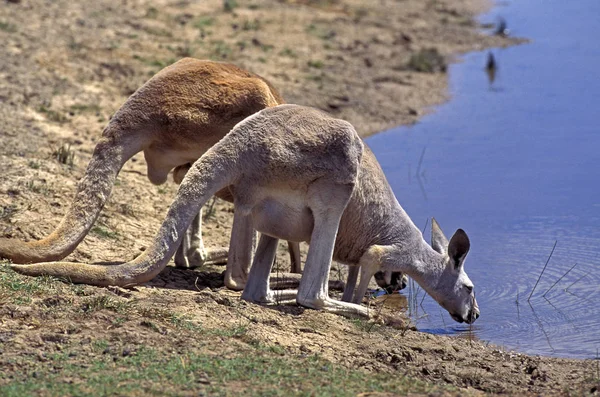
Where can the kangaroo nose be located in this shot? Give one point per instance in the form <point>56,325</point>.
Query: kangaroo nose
<point>472,316</point>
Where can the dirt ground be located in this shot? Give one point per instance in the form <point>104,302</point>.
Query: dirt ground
<point>65,67</point>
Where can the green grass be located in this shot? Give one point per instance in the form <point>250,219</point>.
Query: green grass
<point>157,64</point>
<point>64,155</point>
<point>288,52</point>
<point>249,25</point>
<point>52,115</point>
<point>221,50</point>
<point>148,371</point>
<point>317,64</point>
<point>105,302</point>
<point>224,361</point>
<point>152,13</point>
<point>204,22</point>
<point>104,233</point>
<point>7,211</point>
<point>83,108</point>
<point>41,188</point>
<point>229,5</point>
<point>20,290</point>
<point>34,164</point>
<point>7,27</point>
<point>427,61</point>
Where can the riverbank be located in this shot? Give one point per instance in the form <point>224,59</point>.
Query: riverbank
<point>69,66</point>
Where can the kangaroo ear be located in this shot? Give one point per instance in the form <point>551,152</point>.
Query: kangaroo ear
<point>439,242</point>
<point>458,248</point>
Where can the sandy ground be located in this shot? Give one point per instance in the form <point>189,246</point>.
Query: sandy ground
<point>65,67</point>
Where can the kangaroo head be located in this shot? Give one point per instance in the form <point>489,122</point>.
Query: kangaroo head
<point>454,290</point>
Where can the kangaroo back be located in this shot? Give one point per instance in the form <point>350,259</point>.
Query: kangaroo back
<point>287,145</point>
<point>174,118</point>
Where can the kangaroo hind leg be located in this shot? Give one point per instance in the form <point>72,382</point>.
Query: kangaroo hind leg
<point>191,253</point>
<point>327,202</point>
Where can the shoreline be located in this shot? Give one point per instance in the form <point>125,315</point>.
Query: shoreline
<point>68,67</point>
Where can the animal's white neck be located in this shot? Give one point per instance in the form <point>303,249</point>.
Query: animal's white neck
<point>412,255</point>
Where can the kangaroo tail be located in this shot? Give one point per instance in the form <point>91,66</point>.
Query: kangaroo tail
<point>212,172</point>
<point>111,152</point>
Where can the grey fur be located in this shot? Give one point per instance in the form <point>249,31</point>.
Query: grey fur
<point>301,175</point>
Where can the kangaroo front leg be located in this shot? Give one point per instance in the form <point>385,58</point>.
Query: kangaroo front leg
<point>257,288</point>
<point>192,254</point>
<point>294,250</point>
<point>367,270</point>
<point>350,283</point>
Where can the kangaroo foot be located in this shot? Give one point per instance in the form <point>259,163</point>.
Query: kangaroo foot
<point>194,258</point>
<point>333,306</point>
<point>279,297</point>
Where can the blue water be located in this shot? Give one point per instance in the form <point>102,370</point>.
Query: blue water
<point>517,165</point>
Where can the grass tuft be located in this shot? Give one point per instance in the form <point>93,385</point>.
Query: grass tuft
<point>64,155</point>
<point>427,61</point>
<point>104,233</point>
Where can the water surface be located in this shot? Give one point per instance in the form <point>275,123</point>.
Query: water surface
<point>517,166</point>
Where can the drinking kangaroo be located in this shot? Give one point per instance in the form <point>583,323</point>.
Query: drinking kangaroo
<point>301,175</point>
<point>174,118</point>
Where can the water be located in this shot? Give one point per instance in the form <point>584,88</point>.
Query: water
<point>517,165</point>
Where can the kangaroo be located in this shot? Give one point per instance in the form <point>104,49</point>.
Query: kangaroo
<point>302,175</point>
<point>173,118</point>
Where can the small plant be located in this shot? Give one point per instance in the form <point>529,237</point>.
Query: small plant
<point>288,52</point>
<point>203,22</point>
<point>7,27</point>
<point>7,211</point>
<point>151,325</point>
<point>363,325</point>
<point>315,64</point>
<point>323,34</point>
<point>183,322</point>
<point>156,63</point>
<point>126,209</point>
<point>251,25</point>
<point>427,61</point>
<point>34,164</point>
<point>36,187</point>
<point>75,45</point>
<point>52,115</point>
<point>229,5</point>
<point>185,50</point>
<point>104,233</point>
<point>64,155</point>
<point>83,108</point>
<point>107,302</point>
<point>315,77</point>
<point>152,13</point>
<point>236,332</point>
<point>222,50</point>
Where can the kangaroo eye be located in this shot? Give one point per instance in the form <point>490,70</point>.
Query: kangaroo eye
<point>469,288</point>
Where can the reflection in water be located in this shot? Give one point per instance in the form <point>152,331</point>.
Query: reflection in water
<point>518,169</point>
<point>392,302</point>
<point>490,68</point>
